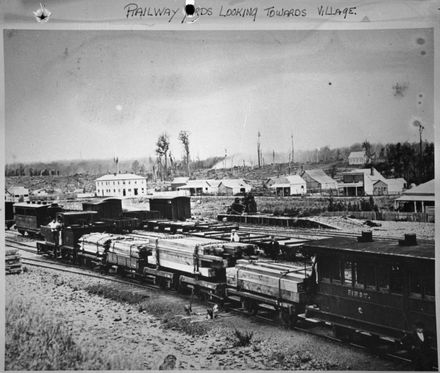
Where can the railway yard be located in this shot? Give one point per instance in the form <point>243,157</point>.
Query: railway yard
<point>135,326</point>
<point>100,320</point>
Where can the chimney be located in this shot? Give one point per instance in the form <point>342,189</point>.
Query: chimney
<point>372,171</point>
<point>409,240</point>
<point>367,236</point>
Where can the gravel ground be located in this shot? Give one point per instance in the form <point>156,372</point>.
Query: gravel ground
<point>121,330</point>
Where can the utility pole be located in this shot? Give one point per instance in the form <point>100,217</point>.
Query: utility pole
<point>259,150</point>
<point>292,150</point>
<point>421,128</point>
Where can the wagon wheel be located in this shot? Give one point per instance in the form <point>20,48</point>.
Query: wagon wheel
<point>344,334</point>
<point>250,306</point>
<point>288,320</point>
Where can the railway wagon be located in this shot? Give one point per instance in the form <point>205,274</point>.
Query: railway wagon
<point>109,208</point>
<point>376,289</point>
<point>9,214</point>
<point>195,263</point>
<point>110,211</point>
<point>172,208</point>
<point>29,217</point>
<point>269,286</point>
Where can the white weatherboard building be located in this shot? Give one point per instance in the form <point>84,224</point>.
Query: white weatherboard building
<point>121,185</point>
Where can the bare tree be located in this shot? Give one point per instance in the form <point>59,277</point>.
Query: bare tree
<point>163,145</point>
<point>184,138</point>
<point>368,153</point>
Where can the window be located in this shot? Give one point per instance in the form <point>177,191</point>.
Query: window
<point>364,275</point>
<point>329,269</point>
<point>383,278</point>
<point>396,279</point>
<point>348,273</point>
<point>415,283</point>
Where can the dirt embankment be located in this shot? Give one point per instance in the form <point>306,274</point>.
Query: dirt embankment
<point>63,319</point>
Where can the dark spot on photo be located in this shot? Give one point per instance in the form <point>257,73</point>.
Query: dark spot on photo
<point>189,9</point>
<point>422,53</point>
<point>420,41</point>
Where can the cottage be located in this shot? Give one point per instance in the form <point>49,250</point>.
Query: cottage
<point>289,185</point>
<point>357,158</point>
<point>418,199</point>
<point>17,194</point>
<point>121,185</point>
<point>178,182</point>
<point>230,187</point>
<point>318,181</point>
<point>380,188</point>
<point>360,182</point>
<point>196,187</point>
<point>396,186</point>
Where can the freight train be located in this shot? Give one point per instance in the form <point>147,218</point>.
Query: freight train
<point>374,290</point>
<point>369,289</point>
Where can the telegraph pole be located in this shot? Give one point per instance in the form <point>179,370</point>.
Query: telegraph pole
<point>259,150</point>
<point>421,128</point>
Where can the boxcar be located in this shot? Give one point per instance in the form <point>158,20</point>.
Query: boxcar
<point>109,208</point>
<point>379,288</point>
<point>29,217</point>
<point>173,208</point>
<point>9,214</point>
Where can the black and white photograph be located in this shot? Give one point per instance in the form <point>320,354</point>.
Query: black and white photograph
<point>219,199</point>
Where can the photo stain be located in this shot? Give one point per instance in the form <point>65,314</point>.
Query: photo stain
<point>422,53</point>
<point>420,102</point>
<point>329,83</point>
<point>420,95</point>
<point>420,41</point>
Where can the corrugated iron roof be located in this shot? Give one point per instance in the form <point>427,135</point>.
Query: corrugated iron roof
<point>320,176</point>
<point>427,188</point>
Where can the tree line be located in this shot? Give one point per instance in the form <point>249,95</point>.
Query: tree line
<point>393,160</point>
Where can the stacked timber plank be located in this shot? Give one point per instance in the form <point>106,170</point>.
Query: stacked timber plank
<point>12,261</point>
<point>269,279</point>
<point>186,255</point>
<point>96,243</point>
<point>189,254</point>
<point>128,251</point>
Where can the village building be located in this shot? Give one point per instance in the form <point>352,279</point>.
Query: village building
<point>418,199</point>
<point>291,185</point>
<point>178,182</point>
<point>380,188</point>
<point>230,187</point>
<point>121,185</point>
<point>360,182</point>
<point>396,186</point>
<point>196,187</point>
<point>357,158</point>
<point>214,183</point>
<point>17,194</point>
<point>318,181</point>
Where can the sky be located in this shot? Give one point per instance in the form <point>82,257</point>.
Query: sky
<point>97,94</point>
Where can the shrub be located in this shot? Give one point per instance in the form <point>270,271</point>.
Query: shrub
<point>243,338</point>
<point>115,294</point>
<point>36,339</point>
<point>170,315</point>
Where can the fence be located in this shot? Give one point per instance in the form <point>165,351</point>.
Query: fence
<point>385,215</point>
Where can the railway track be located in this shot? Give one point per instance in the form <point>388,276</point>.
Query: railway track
<point>321,332</point>
<point>326,334</point>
